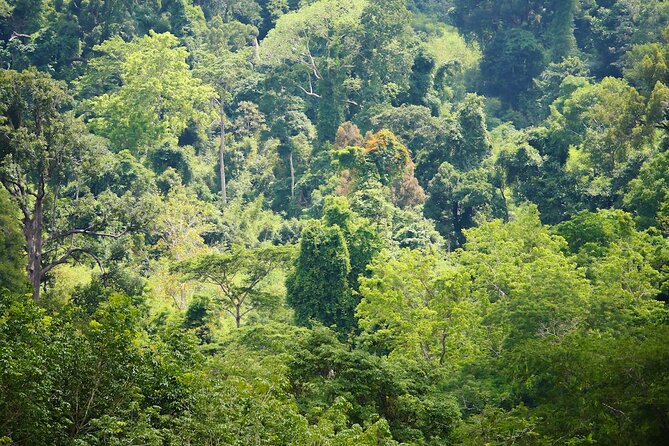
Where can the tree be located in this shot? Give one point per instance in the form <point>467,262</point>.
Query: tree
<point>381,158</point>
<point>646,65</point>
<point>318,288</point>
<point>432,140</point>
<point>361,240</point>
<point>239,274</point>
<point>183,222</point>
<point>385,396</point>
<point>384,61</point>
<point>225,70</point>
<point>312,48</point>
<point>648,192</point>
<point>152,94</point>
<point>475,145</point>
<point>605,119</point>
<point>457,200</point>
<point>44,152</point>
<point>510,63</point>
<point>549,84</point>
<point>416,305</point>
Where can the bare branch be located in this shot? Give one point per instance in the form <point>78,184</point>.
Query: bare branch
<point>16,35</point>
<point>311,89</point>
<point>87,231</point>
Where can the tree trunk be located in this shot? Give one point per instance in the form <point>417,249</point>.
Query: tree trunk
<point>292,177</point>
<point>506,207</point>
<point>256,47</point>
<point>238,315</point>
<point>32,230</point>
<point>221,155</point>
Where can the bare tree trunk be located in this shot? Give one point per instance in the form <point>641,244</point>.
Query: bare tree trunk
<point>238,315</point>
<point>221,155</point>
<point>257,49</point>
<point>292,177</point>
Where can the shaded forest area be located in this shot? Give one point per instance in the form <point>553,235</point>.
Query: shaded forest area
<point>334,222</point>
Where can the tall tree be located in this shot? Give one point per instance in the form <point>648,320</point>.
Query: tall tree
<point>226,70</point>
<point>151,95</point>
<point>318,288</point>
<point>43,153</point>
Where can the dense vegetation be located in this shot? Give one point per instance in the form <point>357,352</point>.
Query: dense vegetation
<point>334,222</point>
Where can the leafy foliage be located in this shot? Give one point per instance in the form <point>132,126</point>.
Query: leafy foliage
<point>329,222</point>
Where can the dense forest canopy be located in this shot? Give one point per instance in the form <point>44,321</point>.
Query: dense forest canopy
<point>334,222</point>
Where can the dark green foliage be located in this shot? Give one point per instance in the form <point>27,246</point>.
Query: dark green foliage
<point>510,62</point>
<point>457,200</point>
<point>165,157</point>
<point>421,81</point>
<point>474,146</point>
<point>318,288</point>
<point>324,369</point>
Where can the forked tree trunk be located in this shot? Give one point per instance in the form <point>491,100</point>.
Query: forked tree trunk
<point>32,230</point>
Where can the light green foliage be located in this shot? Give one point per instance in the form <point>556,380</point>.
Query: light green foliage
<point>182,223</point>
<point>603,125</point>
<point>154,95</point>
<point>222,58</point>
<point>646,65</point>
<point>521,269</point>
<point>451,49</point>
<point>418,306</point>
<point>315,47</point>
<point>12,275</point>
<point>457,62</point>
<point>249,224</point>
<point>24,347</point>
<point>657,116</point>
<point>291,39</point>
<point>646,194</point>
<point>625,265</point>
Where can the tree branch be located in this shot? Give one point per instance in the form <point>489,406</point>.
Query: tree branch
<point>16,35</point>
<point>311,89</point>
<point>63,259</point>
<point>87,231</point>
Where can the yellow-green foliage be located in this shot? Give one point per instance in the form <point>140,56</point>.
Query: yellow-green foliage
<point>450,46</point>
